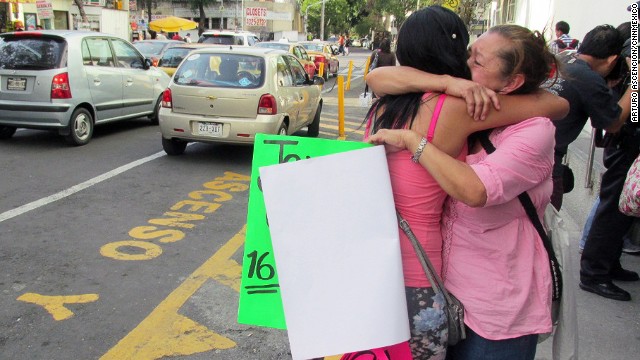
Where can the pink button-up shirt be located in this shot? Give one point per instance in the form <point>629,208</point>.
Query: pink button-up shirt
<point>494,260</point>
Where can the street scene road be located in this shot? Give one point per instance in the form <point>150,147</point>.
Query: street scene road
<point>114,250</point>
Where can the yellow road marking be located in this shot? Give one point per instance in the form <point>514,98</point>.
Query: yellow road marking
<point>165,332</point>
<point>55,304</point>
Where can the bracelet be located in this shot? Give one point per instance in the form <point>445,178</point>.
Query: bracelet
<point>419,150</point>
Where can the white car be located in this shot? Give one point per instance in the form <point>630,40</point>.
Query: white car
<point>227,37</point>
<point>228,95</point>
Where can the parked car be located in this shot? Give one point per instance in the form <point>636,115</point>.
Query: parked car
<point>70,81</point>
<point>173,57</point>
<point>227,37</point>
<point>153,49</point>
<point>323,52</point>
<point>255,90</point>
<point>297,50</point>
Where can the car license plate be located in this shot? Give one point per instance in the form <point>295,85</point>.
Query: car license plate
<point>210,128</point>
<point>18,84</point>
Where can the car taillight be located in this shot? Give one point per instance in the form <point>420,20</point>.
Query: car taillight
<point>267,105</point>
<point>167,101</point>
<point>60,88</point>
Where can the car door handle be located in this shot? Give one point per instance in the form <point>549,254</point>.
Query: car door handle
<point>97,81</point>
<point>129,81</point>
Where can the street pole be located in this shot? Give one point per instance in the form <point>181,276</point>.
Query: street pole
<point>322,22</point>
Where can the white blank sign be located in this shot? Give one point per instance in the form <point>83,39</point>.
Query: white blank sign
<point>336,245</point>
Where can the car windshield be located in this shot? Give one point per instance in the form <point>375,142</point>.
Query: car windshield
<point>221,70</point>
<point>218,39</point>
<point>149,48</point>
<point>34,53</point>
<point>173,57</point>
<point>313,47</point>
<point>270,45</point>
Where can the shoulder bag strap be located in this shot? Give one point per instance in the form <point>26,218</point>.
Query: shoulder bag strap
<point>530,209</point>
<point>432,275</point>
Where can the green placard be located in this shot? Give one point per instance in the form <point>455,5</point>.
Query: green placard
<point>260,300</point>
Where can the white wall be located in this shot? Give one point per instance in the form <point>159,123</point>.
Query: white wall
<point>115,22</point>
<point>584,15</point>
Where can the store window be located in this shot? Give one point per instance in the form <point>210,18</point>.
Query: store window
<point>61,20</point>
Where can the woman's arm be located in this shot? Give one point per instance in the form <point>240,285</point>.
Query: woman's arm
<point>455,177</point>
<point>403,79</point>
<point>513,108</point>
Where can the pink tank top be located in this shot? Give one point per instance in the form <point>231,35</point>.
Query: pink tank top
<point>419,199</point>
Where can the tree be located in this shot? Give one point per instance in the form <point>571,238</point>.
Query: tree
<point>83,14</point>
<point>199,5</point>
<point>469,10</point>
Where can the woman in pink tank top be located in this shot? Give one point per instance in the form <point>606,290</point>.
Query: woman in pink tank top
<point>494,261</point>
<point>434,40</point>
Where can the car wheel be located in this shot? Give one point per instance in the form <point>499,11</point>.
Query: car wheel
<point>283,129</point>
<point>313,130</point>
<point>156,112</point>
<point>335,74</point>
<point>7,131</point>
<point>325,71</point>
<point>173,146</point>
<point>80,127</point>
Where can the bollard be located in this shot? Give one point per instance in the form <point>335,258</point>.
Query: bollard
<point>321,70</point>
<point>349,74</point>
<point>340,82</point>
<point>366,66</point>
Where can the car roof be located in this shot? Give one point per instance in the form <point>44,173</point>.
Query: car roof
<point>160,41</point>
<point>60,33</point>
<point>228,32</point>
<point>241,50</point>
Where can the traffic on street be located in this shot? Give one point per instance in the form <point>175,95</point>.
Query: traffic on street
<point>117,250</point>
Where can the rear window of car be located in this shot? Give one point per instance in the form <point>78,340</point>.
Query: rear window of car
<point>149,48</point>
<point>221,70</point>
<point>32,53</point>
<point>173,57</point>
<point>313,47</point>
<point>279,46</point>
<point>220,39</point>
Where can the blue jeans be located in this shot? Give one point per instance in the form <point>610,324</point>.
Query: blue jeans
<point>475,347</point>
<point>587,224</point>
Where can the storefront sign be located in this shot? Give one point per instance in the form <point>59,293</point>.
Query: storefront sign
<point>45,9</point>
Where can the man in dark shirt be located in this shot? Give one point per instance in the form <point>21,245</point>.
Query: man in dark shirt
<point>582,83</point>
<point>589,96</point>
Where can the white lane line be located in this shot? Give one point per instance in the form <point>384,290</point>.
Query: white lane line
<point>76,188</point>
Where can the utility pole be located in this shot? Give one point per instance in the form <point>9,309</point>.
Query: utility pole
<point>322,22</point>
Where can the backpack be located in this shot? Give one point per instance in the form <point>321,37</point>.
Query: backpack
<point>563,46</point>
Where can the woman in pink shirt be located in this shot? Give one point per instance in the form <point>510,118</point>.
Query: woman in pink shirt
<point>493,259</point>
<point>434,39</point>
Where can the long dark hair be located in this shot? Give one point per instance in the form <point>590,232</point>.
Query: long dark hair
<point>433,39</point>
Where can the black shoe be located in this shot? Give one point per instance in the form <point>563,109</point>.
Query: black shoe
<point>606,289</point>
<point>624,275</point>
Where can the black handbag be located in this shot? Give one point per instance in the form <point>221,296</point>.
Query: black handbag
<point>453,309</point>
<point>556,270</point>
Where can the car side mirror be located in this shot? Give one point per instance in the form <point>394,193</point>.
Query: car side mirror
<point>147,63</point>
<point>318,80</point>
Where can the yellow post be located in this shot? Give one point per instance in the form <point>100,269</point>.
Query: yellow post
<point>340,81</point>
<point>321,70</point>
<point>349,75</point>
<point>366,67</point>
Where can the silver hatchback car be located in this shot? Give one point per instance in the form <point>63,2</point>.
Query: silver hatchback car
<point>70,81</point>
